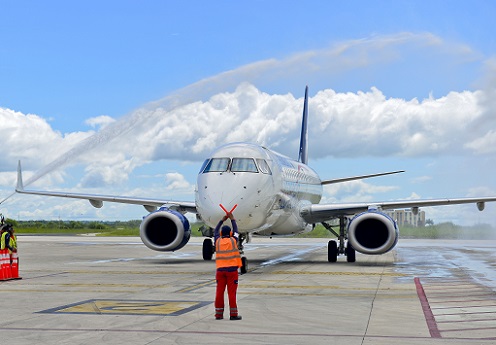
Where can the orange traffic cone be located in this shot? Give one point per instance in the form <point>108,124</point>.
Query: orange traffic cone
<point>15,266</point>
<point>2,273</point>
<point>6,264</point>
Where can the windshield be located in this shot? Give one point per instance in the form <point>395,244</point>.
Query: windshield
<point>217,165</point>
<point>243,165</point>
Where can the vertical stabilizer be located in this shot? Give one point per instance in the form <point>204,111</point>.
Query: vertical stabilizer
<point>303,156</point>
<point>20,184</point>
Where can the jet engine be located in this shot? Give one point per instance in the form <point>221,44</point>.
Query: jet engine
<point>372,232</point>
<point>165,230</point>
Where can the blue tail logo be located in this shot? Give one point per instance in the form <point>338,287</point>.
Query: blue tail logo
<point>303,155</point>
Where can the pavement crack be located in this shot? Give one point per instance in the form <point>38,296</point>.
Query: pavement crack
<point>372,304</point>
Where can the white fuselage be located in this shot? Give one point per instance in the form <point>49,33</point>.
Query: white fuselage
<point>268,188</point>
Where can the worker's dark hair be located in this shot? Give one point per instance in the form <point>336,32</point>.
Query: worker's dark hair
<point>225,231</point>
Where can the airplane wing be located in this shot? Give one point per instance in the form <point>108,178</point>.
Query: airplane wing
<point>96,200</point>
<point>317,213</point>
<point>346,179</point>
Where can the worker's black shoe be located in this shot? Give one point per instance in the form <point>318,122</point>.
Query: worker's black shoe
<point>235,317</point>
<point>218,318</point>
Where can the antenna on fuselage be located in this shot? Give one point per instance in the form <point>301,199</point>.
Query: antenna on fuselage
<point>303,155</point>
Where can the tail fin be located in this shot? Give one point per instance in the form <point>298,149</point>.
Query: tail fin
<point>20,184</point>
<point>303,156</point>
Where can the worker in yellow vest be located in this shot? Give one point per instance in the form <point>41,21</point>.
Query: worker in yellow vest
<point>228,260</point>
<point>8,239</point>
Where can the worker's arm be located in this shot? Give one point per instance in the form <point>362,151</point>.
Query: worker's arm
<point>217,229</point>
<point>7,242</point>
<point>235,229</point>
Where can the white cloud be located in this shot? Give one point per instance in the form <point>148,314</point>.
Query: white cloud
<point>114,172</point>
<point>189,123</point>
<point>354,191</point>
<point>100,121</point>
<point>366,123</point>
<point>176,182</point>
<point>341,124</point>
<point>485,144</point>
<point>30,138</point>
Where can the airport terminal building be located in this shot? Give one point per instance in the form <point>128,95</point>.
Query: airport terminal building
<point>407,217</point>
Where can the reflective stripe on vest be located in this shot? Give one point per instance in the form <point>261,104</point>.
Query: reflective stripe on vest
<point>13,242</point>
<point>3,244</point>
<point>227,253</point>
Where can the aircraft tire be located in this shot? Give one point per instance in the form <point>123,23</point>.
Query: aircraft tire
<point>332,251</point>
<point>350,253</point>
<point>207,249</point>
<point>244,265</point>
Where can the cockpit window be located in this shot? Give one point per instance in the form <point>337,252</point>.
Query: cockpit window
<point>263,166</point>
<point>204,165</point>
<point>243,165</point>
<point>217,165</point>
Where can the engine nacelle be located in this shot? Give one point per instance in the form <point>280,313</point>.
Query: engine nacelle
<point>373,232</point>
<point>165,230</point>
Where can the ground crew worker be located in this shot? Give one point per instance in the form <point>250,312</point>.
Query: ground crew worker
<point>3,233</point>
<point>3,230</point>
<point>8,239</point>
<point>228,260</point>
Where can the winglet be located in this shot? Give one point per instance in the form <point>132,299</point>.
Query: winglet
<point>303,155</point>
<point>20,184</point>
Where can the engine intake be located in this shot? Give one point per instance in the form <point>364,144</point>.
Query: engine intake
<point>165,230</point>
<point>373,232</point>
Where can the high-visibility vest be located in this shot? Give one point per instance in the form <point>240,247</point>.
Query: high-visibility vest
<point>12,242</point>
<point>2,243</point>
<point>227,253</point>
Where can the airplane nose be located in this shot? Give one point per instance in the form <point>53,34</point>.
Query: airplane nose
<point>229,190</point>
<point>216,212</point>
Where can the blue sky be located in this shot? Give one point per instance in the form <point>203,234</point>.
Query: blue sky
<point>69,70</point>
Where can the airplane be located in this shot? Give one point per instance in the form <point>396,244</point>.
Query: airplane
<point>277,196</point>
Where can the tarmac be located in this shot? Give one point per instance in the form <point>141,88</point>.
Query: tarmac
<point>114,290</point>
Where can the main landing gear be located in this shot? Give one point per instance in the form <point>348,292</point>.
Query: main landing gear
<point>342,246</point>
<point>208,250</point>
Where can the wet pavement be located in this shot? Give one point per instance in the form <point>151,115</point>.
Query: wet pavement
<point>89,290</point>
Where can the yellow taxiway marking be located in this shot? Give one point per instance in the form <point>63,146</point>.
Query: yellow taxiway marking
<point>128,307</point>
<point>390,274</point>
<point>144,272</point>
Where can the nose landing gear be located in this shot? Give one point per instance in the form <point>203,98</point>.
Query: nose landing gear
<point>244,262</point>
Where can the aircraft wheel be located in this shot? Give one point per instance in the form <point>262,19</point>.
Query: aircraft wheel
<point>332,251</point>
<point>208,249</point>
<point>350,253</point>
<point>244,265</point>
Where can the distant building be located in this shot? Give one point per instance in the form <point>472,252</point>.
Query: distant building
<point>407,217</point>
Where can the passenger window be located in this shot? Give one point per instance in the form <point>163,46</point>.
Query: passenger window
<point>264,167</point>
<point>217,165</point>
<point>243,165</point>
